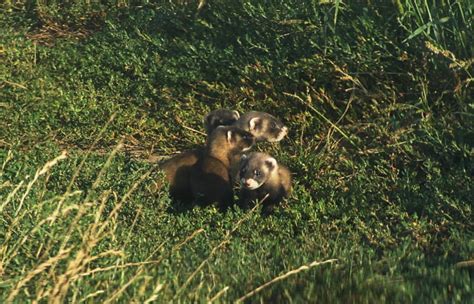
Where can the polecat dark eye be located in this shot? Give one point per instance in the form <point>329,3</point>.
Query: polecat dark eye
<point>274,125</point>
<point>257,173</point>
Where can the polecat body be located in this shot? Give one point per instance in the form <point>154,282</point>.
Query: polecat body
<point>261,175</point>
<point>178,168</point>
<point>220,117</point>
<point>209,178</point>
<point>262,125</point>
<point>178,173</point>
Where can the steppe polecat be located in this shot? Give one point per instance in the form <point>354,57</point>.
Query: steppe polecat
<point>262,125</point>
<point>260,174</point>
<point>177,168</point>
<point>210,178</point>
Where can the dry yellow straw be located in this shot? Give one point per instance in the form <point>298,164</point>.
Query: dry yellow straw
<point>284,276</point>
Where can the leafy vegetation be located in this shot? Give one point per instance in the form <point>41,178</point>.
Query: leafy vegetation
<point>378,100</point>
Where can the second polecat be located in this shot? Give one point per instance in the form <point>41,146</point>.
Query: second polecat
<point>209,177</point>
<point>261,175</point>
<point>262,125</point>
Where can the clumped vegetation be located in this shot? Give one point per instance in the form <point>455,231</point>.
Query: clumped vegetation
<point>378,100</point>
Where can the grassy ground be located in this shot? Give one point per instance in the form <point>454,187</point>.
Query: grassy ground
<point>378,100</point>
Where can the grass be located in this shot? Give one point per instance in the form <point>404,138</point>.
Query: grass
<point>378,100</point>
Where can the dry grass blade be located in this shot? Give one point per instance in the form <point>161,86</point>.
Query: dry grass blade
<point>194,130</point>
<point>5,162</point>
<point>284,276</point>
<point>11,195</point>
<point>221,244</point>
<point>465,264</point>
<point>51,31</point>
<point>140,264</point>
<point>140,270</point>
<point>43,170</point>
<point>154,295</point>
<point>61,255</point>
<point>309,105</point>
<point>219,294</point>
<point>14,84</point>
<point>94,294</point>
<point>117,293</point>
<point>81,165</point>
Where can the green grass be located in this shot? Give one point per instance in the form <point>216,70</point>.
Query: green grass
<point>378,100</point>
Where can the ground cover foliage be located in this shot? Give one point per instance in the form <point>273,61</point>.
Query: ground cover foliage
<point>378,100</point>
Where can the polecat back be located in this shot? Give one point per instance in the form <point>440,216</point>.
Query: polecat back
<point>262,125</point>
<point>261,175</point>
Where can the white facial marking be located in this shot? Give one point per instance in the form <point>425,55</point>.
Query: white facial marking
<point>236,114</point>
<point>253,122</point>
<point>250,184</point>
<point>229,135</point>
<point>246,149</point>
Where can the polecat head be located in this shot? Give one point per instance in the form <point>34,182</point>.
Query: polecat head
<point>220,117</point>
<point>230,139</point>
<point>255,169</point>
<point>265,126</point>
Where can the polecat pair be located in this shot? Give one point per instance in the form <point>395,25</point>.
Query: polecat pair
<point>263,126</point>
<point>204,173</point>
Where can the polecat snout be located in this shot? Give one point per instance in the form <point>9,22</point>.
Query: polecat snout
<point>261,175</point>
<point>262,125</point>
<point>220,117</point>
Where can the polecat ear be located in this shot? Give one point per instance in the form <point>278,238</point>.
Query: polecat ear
<point>236,114</point>
<point>271,163</point>
<point>229,136</point>
<point>211,120</point>
<point>253,123</point>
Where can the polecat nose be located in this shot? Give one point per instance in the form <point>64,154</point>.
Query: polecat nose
<point>245,182</point>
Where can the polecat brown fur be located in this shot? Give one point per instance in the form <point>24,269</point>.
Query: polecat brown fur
<point>178,172</point>
<point>178,168</point>
<point>262,125</point>
<point>209,177</point>
<point>261,175</point>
